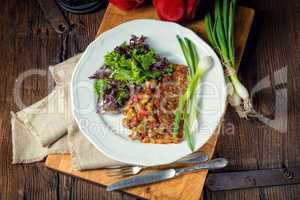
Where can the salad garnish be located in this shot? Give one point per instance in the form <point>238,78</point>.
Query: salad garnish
<point>126,68</point>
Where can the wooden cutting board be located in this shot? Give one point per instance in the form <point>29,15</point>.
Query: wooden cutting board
<point>189,186</point>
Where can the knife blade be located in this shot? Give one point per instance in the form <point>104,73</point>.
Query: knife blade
<point>143,179</point>
<point>154,177</point>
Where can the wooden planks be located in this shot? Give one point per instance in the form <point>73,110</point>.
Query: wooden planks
<point>256,145</point>
<point>181,187</point>
<point>274,43</point>
<point>28,42</point>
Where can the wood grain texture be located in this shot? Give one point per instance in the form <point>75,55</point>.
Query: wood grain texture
<point>181,187</point>
<point>28,42</point>
<point>273,45</point>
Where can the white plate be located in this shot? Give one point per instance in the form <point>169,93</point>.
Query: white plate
<point>106,132</point>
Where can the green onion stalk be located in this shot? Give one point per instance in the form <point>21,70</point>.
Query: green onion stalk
<point>219,25</point>
<point>186,111</point>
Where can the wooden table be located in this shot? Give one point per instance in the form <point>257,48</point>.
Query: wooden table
<point>27,41</point>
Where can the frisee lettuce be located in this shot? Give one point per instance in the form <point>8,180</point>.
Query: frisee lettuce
<point>134,69</point>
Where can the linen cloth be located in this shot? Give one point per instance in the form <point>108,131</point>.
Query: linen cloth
<point>47,127</point>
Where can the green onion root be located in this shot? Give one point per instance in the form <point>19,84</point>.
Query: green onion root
<point>239,97</point>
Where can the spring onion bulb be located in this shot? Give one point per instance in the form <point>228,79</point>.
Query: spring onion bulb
<point>219,26</point>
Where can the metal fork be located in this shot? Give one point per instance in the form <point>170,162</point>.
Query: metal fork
<point>129,170</point>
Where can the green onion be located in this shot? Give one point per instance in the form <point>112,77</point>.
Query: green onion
<point>231,46</point>
<point>225,19</point>
<point>185,52</point>
<point>193,54</point>
<point>219,26</point>
<point>186,132</point>
<point>186,111</point>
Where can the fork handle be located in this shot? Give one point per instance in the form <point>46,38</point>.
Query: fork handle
<point>194,158</point>
<point>115,166</point>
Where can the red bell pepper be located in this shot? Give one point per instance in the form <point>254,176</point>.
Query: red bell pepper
<point>175,10</point>
<point>127,4</point>
<point>191,9</point>
<point>170,10</point>
<point>143,113</point>
<point>134,122</point>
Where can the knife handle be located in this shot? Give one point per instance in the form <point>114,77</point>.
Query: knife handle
<point>217,163</point>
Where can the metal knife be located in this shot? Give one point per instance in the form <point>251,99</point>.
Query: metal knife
<point>217,163</point>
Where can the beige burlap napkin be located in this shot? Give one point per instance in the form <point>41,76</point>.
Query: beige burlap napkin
<point>45,119</point>
<point>41,129</point>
